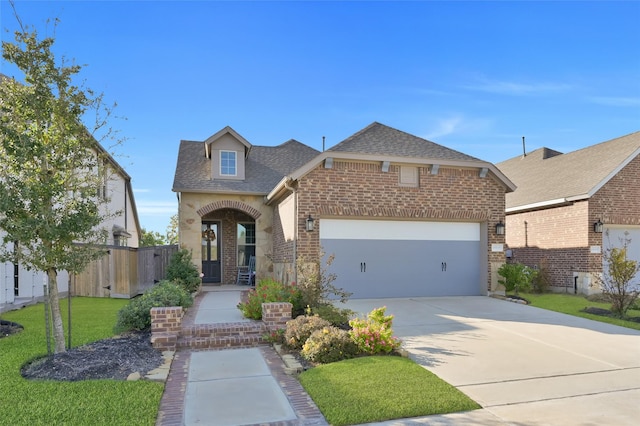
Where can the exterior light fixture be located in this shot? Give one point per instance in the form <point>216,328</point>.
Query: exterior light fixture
<point>310,223</point>
<point>500,228</point>
<point>597,227</point>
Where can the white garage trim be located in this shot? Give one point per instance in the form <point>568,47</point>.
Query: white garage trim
<point>341,229</point>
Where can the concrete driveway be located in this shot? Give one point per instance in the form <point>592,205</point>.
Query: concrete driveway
<point>524,365</point>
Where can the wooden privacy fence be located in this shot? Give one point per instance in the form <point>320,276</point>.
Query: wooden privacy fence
<point>124,272</point>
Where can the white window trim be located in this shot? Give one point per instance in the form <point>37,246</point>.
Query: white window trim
<point>235,156</point>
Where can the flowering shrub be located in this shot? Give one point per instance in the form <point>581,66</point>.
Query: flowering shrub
<point>329,344</point>
<point>374,335</point>
<point>336,316</point>
<point>275,336</point>
<point>267,291</point>
<point>300,328</point>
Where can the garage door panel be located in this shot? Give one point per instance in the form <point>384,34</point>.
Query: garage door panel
<point>400,268</point>
<point>614,236</point>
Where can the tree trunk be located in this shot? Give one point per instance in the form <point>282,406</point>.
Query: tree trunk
<point>56,316</point>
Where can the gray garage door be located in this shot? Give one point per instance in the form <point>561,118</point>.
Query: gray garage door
<point>614,236</point>
<point>382,259</point>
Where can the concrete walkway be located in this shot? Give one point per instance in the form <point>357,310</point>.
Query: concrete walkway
<point>524,365</point>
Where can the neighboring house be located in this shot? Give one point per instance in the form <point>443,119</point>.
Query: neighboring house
<point>19,286</point>
<point>568,208</point>
<point>402,215</point>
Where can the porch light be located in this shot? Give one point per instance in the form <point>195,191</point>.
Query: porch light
<point>597,227</point>
<point>310,223</point>
<point>500,228</point>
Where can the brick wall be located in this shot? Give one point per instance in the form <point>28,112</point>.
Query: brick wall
<point>359,189</point>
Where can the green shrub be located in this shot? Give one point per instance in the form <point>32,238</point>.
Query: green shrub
<point>329,344</point>
<point>541,280</point>
<point>182,271</point>
<point>136,315</point>
<point>300,328</point>
<point>374,335</point>
<point>336,316</point>
<point>517,277</point>
<point>267,291</point>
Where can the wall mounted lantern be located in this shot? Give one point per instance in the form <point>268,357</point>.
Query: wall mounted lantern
<point>310,223</point>
<point>597,227</point>
<point>500,228</point>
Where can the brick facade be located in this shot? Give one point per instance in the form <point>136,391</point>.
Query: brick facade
<point>352,189</point>
<point>564,234</point>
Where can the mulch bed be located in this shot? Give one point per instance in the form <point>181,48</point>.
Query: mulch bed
<point>7,328</point>
<point>114,358</point>
<point>607,313</point>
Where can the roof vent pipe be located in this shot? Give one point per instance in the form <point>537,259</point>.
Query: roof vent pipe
<point>524,151</point>
<point>323,144</point>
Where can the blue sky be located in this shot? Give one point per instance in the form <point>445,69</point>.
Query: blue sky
<point>473,76</point>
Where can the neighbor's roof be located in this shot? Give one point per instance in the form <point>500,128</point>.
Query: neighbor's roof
<point>546,177</point>
<point>265,166</point>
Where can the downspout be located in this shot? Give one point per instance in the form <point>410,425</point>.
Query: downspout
<point>295,230</point>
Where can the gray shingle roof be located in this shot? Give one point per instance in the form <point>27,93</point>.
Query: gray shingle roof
<point>264,168</point>
<point>545,175</point>
<point>379,139</point>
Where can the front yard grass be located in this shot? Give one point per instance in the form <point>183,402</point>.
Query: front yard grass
<point>574,304</point>
<point>91,402</point>
<point>378,388</point>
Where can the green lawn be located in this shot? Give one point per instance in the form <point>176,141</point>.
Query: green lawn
<point>574,304</point>
<point>378,388</point>
<point>93,402</point>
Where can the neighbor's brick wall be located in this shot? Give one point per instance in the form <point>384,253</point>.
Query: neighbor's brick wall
<point>618,201</point>
<point>359,189</point>
<point>559,235</point>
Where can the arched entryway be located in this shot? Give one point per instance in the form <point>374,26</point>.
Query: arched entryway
<point>228,240</point>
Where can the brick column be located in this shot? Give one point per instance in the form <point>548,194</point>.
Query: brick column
<point>166,323</point>
<point>275,315</point>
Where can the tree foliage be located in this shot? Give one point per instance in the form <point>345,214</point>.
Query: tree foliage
<point>151,238</point>
<point>172,230</point>
<point>619,281</point>
<point>53,168</point>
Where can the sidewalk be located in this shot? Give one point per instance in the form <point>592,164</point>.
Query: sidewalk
<point>231,387</point>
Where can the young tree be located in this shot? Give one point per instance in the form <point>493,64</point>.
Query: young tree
<point>172,230</point>
<point>53,168</point>
<point>617,280</point>
<point>151,238</point>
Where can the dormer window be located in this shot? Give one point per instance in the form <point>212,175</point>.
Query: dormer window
<point>228,163</point>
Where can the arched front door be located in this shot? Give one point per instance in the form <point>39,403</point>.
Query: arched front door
<point>211,252</point>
